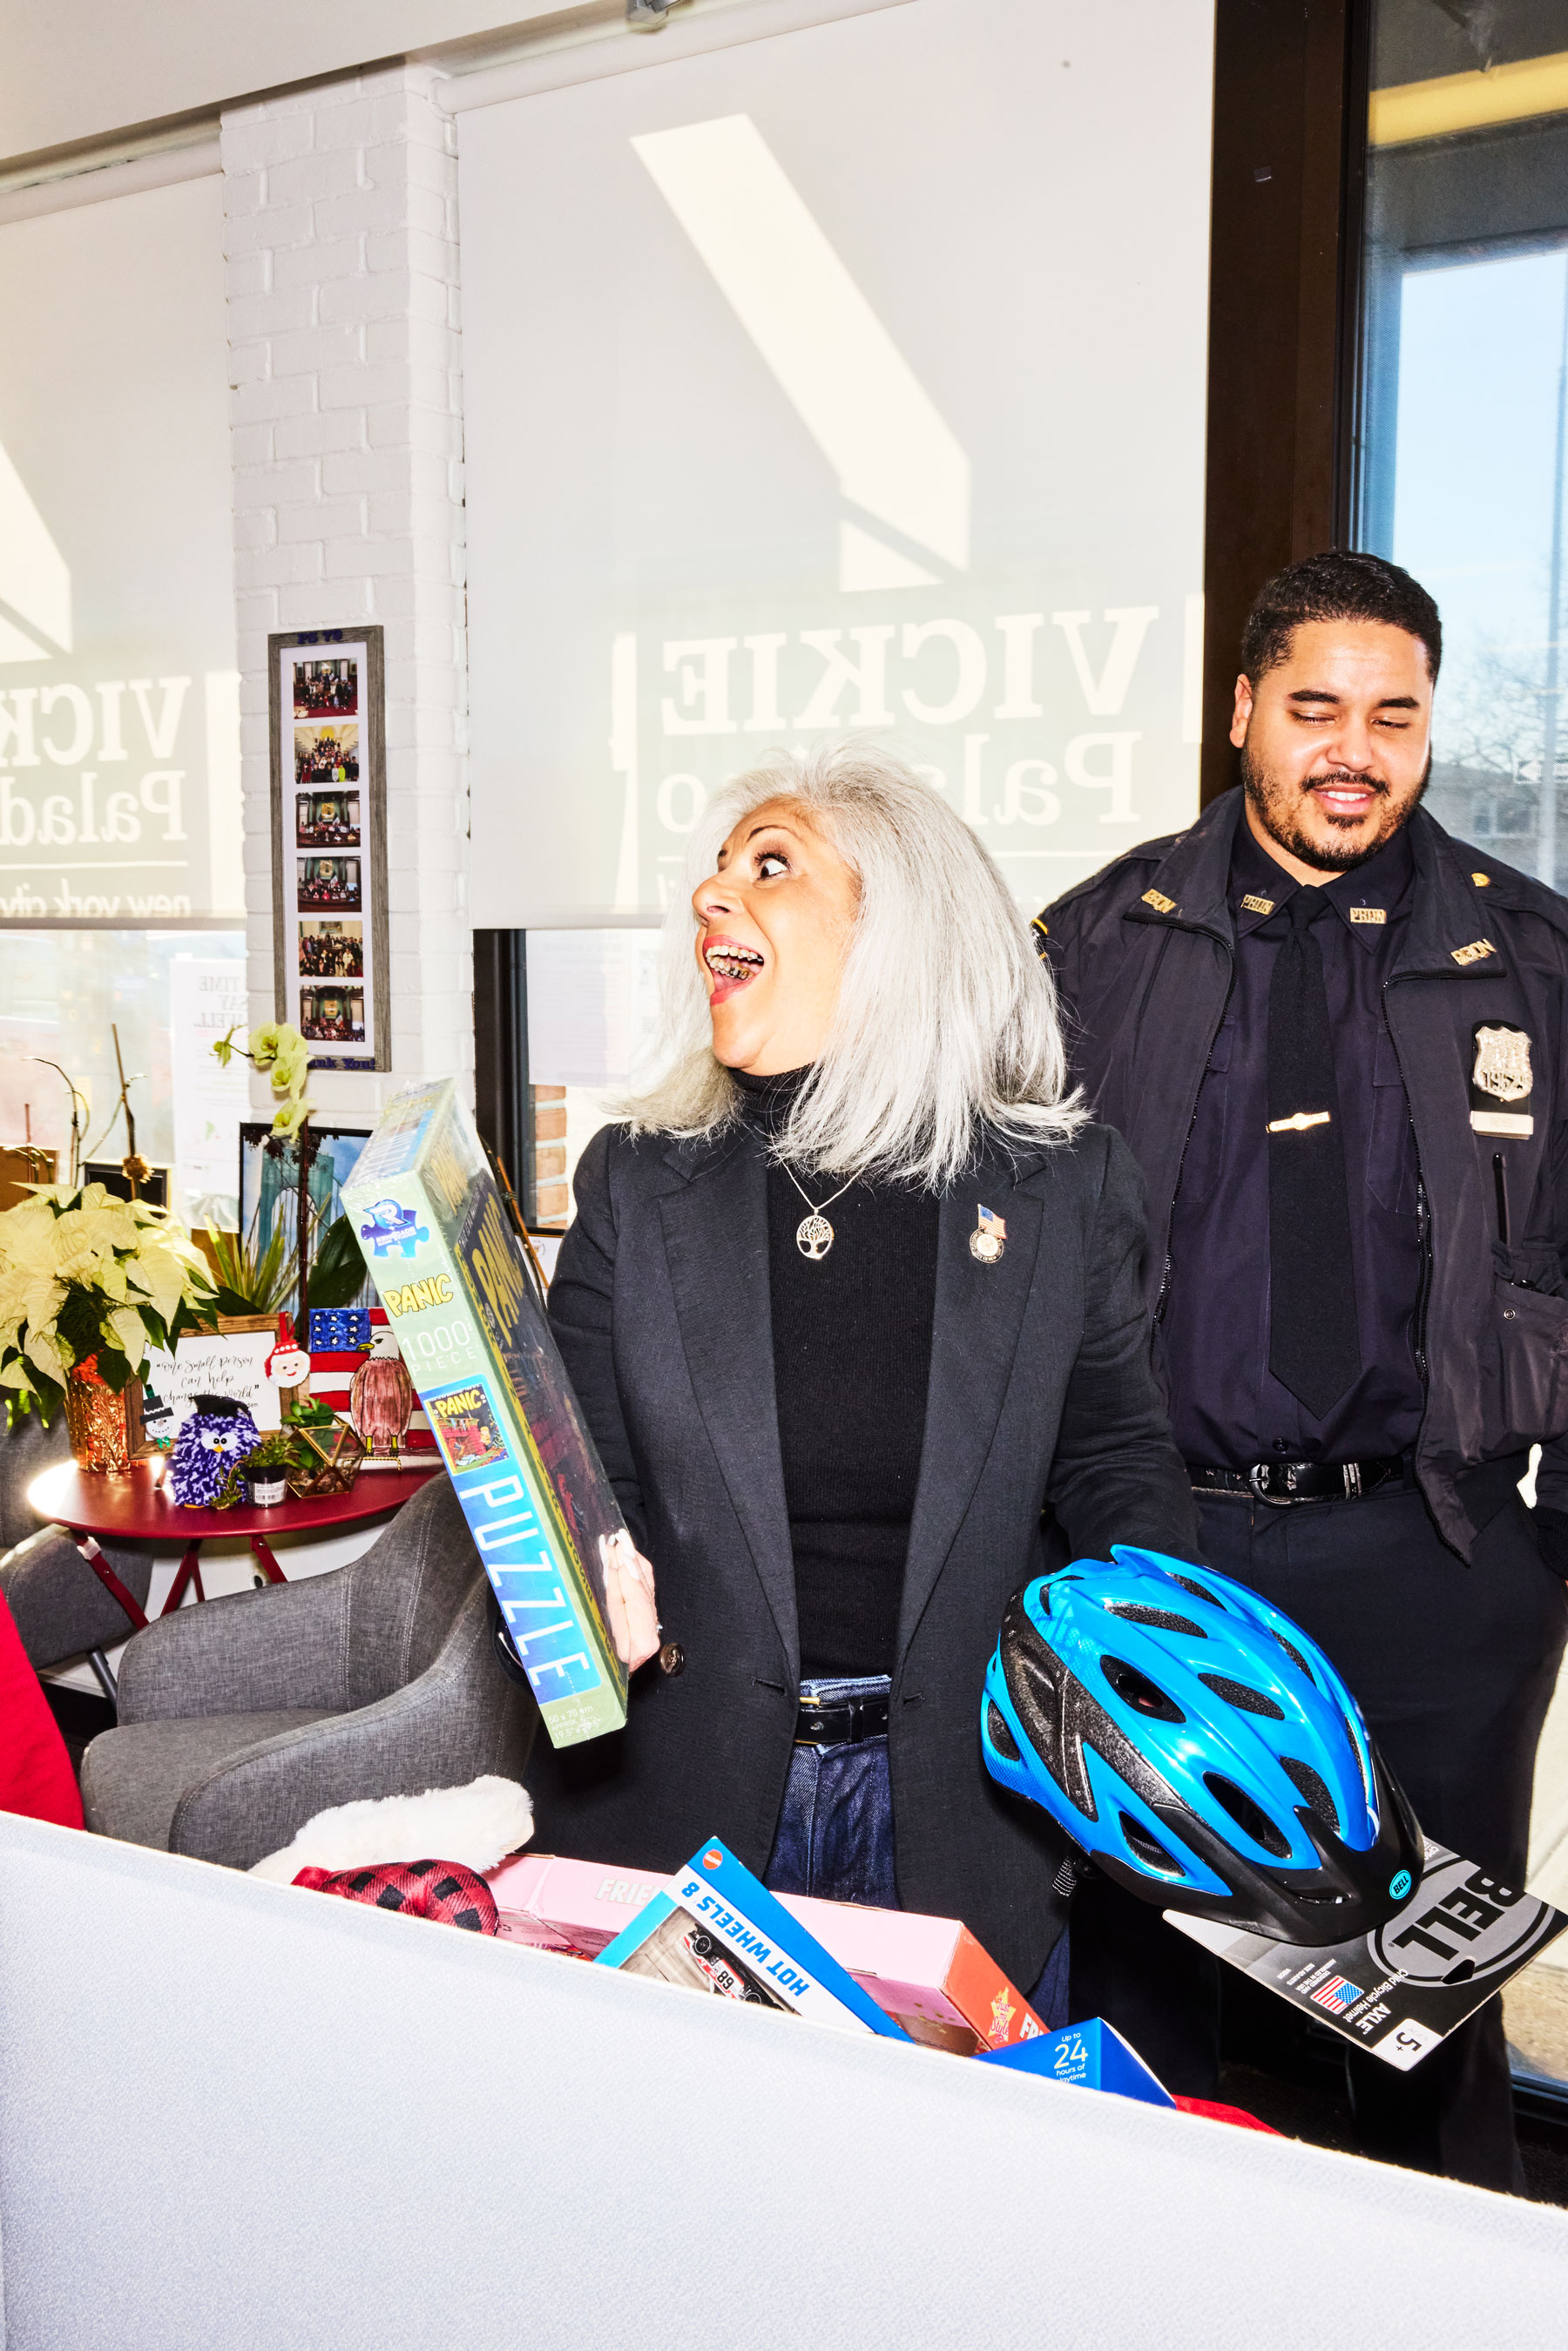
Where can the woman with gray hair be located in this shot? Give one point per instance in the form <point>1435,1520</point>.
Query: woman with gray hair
<point>850,1302</point>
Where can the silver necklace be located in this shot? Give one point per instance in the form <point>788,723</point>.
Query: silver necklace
<point>813,1234</point>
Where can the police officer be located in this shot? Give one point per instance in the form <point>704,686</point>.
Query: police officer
<point>1335,1038</point>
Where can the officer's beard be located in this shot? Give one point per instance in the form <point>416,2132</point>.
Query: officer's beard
<point>1276,806</point>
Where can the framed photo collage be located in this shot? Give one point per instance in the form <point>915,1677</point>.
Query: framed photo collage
<point>329,844</point>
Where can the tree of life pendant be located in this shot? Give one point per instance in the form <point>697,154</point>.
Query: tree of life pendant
<point>813,1237</point>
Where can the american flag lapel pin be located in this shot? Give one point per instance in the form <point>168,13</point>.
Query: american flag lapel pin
<point>988,1239</point>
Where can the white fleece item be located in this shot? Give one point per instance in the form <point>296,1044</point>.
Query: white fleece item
<point>477,1826</point>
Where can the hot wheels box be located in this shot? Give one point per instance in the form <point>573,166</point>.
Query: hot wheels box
<point>713,1927</point>
<point>490,1379</point>
<point>929,1975</point>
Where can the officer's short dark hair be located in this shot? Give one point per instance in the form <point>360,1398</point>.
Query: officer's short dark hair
<point>1342,584</point>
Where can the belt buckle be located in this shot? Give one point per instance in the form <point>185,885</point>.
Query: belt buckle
<point>1257,1471</point>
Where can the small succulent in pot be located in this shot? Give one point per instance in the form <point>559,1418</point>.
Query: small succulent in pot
<point>267,1469</point>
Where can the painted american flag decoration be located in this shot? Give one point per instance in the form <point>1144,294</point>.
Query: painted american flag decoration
<point>332,1372</point>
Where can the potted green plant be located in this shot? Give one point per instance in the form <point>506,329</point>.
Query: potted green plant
<point>267,1469</point>
<point>88,1282</point>
<point>324,1268</point>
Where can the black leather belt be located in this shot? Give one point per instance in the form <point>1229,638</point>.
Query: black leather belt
<point>840,1721</point>
<point>1284,1483</point>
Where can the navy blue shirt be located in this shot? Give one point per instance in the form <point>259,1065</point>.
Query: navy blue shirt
<point>1228,1410</point>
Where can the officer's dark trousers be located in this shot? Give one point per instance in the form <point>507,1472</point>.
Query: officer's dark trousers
<point>1454,1668</point>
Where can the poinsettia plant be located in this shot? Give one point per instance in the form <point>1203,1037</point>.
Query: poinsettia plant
<point>90,1280</point>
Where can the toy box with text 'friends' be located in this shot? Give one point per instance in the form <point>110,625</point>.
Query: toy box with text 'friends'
<point>930,1975</point>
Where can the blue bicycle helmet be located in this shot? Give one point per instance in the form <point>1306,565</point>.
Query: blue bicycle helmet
<point>1200,1747</point>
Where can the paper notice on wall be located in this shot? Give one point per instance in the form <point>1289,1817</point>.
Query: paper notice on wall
<point>207,1000</point>
<point>219,1364</point>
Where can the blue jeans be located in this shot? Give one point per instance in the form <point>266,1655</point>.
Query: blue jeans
<point>835,1837</point>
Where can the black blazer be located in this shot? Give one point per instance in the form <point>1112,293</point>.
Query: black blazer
<point>1040,1395</point>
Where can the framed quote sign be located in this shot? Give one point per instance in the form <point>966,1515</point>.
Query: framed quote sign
<point>329,844</point>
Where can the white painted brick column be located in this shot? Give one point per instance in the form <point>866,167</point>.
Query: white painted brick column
<point>340,206</point>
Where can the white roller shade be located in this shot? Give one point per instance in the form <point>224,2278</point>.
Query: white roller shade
<point>847,380</point>
<point>119,789</point>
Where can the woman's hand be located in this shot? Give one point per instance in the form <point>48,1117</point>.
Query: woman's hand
<point>629,1592</point>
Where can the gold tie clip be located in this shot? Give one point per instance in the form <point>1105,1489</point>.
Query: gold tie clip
<point>1298,1123</point>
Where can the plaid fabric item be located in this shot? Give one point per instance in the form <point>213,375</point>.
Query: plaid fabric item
<point>425,1889</point>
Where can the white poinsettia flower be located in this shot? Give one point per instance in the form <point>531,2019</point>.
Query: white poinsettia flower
<point>113,1226</point>
<point>160,1278</point>
<point>124,1259</point>
<point>129,1333</point>
<point>27,1242</point>
<point>34,1299</point>
<point>49,1353</point>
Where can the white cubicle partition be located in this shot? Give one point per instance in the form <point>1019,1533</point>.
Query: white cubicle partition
<point>236,2115</point>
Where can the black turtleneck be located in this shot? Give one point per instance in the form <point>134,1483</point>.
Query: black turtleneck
<point>851,1359</point>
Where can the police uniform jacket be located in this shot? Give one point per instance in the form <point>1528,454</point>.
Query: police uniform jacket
<point>1040,1394</point>
<point>1143,954</point>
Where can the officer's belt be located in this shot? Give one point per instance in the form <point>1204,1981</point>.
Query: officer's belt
<point>1285,1483</point>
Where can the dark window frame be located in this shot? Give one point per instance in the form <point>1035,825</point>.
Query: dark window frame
<point>1290,86</point>
<point>503,1105</point>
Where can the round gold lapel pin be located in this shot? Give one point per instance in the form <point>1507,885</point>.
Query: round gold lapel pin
<point>988,1242</point>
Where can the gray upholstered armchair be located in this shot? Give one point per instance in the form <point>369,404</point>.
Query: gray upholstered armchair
<point>242,1718</point>
<point>60,1607</point>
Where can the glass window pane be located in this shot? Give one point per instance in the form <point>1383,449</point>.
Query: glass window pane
<point>593,1001</point>
<point>168,993</point>
<point>1464,340</point>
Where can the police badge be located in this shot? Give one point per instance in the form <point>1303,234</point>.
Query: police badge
<point>1501,1074</point>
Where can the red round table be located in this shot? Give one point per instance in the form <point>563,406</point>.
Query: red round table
<point>137,1508</point>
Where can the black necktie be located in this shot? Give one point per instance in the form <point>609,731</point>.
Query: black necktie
<point>1313,1348</point>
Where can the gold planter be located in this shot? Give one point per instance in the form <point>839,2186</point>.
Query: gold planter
<point>105,1429</point>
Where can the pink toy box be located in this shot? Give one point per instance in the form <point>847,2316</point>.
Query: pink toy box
<point>929,1974</point>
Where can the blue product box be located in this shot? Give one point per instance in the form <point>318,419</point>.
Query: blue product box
<point>1093,2056</point>
<point>713,1927</point>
